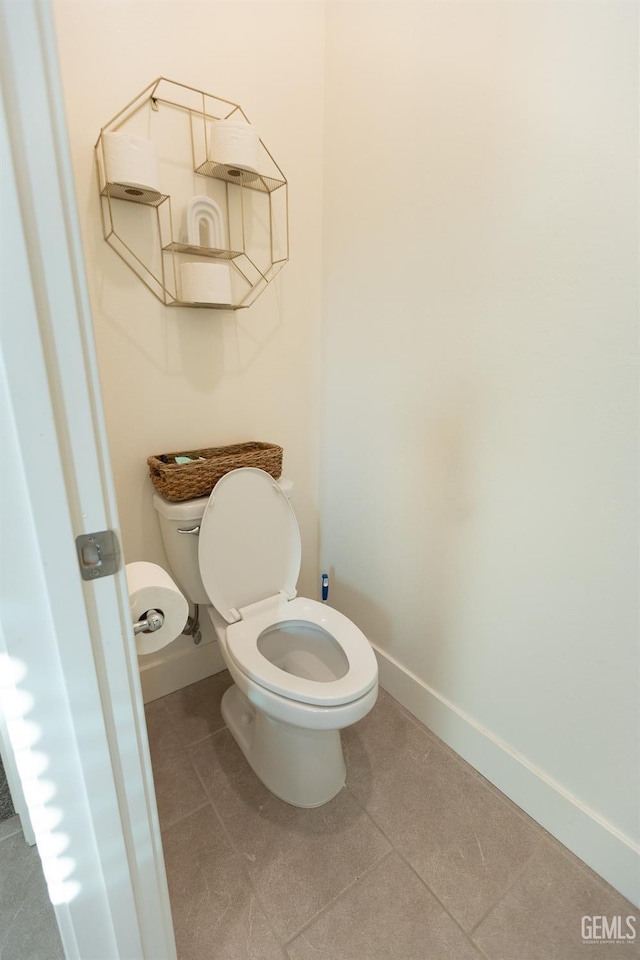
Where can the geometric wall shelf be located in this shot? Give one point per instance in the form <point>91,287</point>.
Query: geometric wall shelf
<point>146,227</point>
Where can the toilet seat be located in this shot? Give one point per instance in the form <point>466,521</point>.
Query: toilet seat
<point>242,645</point>
<point>249,554</point>
<point>249,546</point>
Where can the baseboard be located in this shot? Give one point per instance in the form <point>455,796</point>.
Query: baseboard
<point>181,665</point>
<point>612,855</point>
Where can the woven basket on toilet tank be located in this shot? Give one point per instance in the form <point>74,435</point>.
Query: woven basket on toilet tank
<point>185,481</point>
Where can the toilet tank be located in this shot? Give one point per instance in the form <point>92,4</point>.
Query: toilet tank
<point>182,548</point>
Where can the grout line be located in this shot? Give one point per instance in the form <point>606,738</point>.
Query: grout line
<point>338,896</point>
<point>478,948</point>
<point>367,814</point>
<point>241,857</point>
<point>174,823</point>
<point>185,745</point>
<point>468,768</point>
<point>394,849</point>
<point>554,845</point>
<point>194,743</point>
<point>165,711</point>
<point>7,831</point>
<point>513,880</point>
<point>437,898</point>
<point>545,837</point>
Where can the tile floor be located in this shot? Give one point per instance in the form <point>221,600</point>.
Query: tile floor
<point>6,804</point>
<point>28,928</point>
<point>417,858</point>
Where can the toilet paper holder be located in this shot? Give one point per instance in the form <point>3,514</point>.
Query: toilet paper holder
<point>153,620</point>
<point>149,623</point>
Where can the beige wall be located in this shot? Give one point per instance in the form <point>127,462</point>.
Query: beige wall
<point>175,378</point>
<point>480,403</point>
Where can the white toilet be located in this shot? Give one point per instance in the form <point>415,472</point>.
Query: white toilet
<point>302,670</point>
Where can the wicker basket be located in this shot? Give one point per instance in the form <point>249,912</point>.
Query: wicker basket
<point>184,481</point>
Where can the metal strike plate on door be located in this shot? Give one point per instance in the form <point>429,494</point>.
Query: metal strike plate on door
<point>98,554</point>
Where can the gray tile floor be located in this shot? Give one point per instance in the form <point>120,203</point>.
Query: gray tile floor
<point>28,928</point>
<point>417,858</point>
<point>6,804</point>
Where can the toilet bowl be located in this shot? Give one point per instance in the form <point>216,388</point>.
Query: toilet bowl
<point>302,671</point>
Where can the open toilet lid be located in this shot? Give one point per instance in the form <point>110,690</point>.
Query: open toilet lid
<point>249,545</point>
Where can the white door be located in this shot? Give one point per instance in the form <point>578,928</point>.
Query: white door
<point>72,727</point>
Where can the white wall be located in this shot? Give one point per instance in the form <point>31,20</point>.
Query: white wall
<point>479,448</point>
<point>478,405</point>
<point>176,378</point>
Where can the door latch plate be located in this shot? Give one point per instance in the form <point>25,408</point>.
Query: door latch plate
<point>98,554</point>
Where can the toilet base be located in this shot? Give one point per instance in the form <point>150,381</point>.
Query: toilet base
<point>303,767</point>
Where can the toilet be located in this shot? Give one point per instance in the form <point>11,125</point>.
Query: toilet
<point>302,671</point>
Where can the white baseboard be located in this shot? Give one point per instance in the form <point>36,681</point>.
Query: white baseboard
<point>182,664</point>
<point>612,855</point>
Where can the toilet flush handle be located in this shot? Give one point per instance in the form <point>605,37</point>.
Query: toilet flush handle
<point>194,530</point>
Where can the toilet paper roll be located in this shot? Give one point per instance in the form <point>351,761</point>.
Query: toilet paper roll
<point>234,143</point>
<point>205,282</point>
<point>151,588</point>
<point>131,161</point>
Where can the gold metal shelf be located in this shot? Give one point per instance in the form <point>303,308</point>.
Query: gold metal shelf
<point>246,178</point>
<point>210,306</point>
<point>256,239</point>
<point>125,191</point>
<point>210,252</point>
